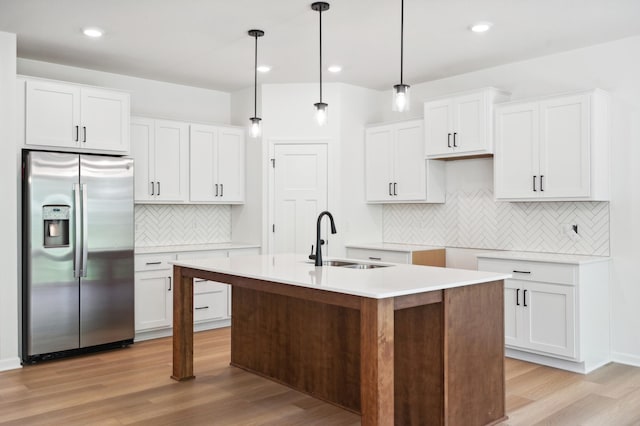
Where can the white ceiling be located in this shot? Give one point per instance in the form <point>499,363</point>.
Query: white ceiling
<point>204,43</point>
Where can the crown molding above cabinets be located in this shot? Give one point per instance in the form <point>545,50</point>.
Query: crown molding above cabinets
<point>553,149</point>
<point>461,125</point>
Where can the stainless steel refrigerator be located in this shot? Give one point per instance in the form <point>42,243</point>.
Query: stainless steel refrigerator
<point>78,237</point>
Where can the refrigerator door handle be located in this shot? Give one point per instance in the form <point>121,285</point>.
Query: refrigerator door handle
<point>85,231</point>
<point>77,231</point>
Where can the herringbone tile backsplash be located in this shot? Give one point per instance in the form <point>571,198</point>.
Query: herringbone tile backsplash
<point>160,225</point>
<point>475,220</point>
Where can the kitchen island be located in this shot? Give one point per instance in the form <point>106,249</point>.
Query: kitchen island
<point>399,344</point>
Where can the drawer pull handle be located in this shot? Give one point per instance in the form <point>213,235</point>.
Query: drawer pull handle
<point>374,258</point>
<point>154,263</point>
<point>521,272</point>
<point>199,281</point>
<point>201,307</point>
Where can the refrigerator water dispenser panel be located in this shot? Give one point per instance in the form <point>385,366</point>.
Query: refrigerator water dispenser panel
<point>56,226</point>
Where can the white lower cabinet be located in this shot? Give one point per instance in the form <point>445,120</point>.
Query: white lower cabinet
<point>555,313</point>
<point>154,293</point>
<point>540,317</point>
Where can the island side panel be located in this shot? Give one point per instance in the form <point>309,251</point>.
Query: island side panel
<point>182,325</point>
<point>419,365</point>
<point>377,361</point>
<point>312,347</point>
<point>474,377</point>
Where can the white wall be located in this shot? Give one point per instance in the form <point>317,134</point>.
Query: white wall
<point>246,219</point>
<point>148,97</point>
<point>8,215</point>
<point>614,67</point>
<point>288,115</point>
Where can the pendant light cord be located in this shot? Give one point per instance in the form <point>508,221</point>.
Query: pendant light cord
<point>255,80</point>
<point>401,38</point>
<point>320,11</point>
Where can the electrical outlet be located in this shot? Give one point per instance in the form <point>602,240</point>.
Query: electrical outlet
<point>571,231</point>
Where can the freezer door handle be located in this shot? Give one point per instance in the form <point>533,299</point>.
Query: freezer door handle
<point>77,250</point>
<point>85,231</point>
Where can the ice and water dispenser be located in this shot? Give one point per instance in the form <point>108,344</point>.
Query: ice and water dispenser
<point>56,225</point>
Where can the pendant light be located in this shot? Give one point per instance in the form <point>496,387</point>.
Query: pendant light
<point>401,91</point>
<point>321,107</point>
<point>255,120</point>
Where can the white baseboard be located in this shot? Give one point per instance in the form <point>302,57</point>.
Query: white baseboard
<point>628,359</point>
<point>168,331</point>
<point>10,364</point>
<point>573,366</point>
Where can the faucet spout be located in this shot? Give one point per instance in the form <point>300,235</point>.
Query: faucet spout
<point>319,242</point>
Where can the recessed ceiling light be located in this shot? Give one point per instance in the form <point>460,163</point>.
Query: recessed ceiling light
<point>481,27</point>
<point>335,68</point>
<point>263,68</point>
<point>92,32</point>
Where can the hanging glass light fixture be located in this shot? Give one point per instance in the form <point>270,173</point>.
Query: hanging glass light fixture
<point>322,108</point>
<point>401,91</point>
<point>255,120</point>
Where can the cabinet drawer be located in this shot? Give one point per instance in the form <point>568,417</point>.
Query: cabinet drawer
<point>209,306</point>
<point>558,273</point>
<point>379,255</point>
<point>153,262</point>
<point>204,286</point>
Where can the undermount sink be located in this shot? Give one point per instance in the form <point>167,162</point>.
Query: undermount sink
<point>351,265</point>
<point>364,266</point>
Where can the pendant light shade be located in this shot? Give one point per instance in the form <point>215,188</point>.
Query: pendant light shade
<point>255,120</point>
<point>322,108</point>
<point>401,101</point>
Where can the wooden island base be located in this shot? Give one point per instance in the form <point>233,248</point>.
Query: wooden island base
<point>432,358</point>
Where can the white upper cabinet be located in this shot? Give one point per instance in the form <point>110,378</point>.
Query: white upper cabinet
<point>395,168</point>
<point>160,149</point>
<point>216,164</point>
<point>71,116</point>
<point>553,149</point>
<point>461,125</point>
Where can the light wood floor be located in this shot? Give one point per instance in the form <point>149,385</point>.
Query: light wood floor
<point>132,386</point>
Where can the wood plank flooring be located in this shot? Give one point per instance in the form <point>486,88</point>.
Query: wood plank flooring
<point>132,386</point>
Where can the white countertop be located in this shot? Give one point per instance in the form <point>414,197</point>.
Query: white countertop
<point>543,257</point>
<point>193,247</point>
<point>378,283</point>
<point>405,248</point>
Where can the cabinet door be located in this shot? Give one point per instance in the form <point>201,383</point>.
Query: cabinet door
<point>513,313</point>
<point>564,147</point>
<point>379,163</point>
<point>202,144</point>
<point>170,161</point>
<point>516,157</point>
<point>230,161</point>
<point>142,139</point>
<point>438,130</point>
<point>549,325</point>
<point>52,114</point>
<point>469,123</point>
<point>105,120</point>
<point>409,162</point>
<point>153,300</point>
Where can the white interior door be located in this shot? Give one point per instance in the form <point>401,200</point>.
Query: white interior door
<point>300,194</point>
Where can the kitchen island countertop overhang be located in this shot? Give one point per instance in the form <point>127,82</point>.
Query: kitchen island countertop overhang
<point>397,344</point>
<point>377,283</point>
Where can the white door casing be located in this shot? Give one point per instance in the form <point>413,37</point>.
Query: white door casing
<point>300,181</point>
